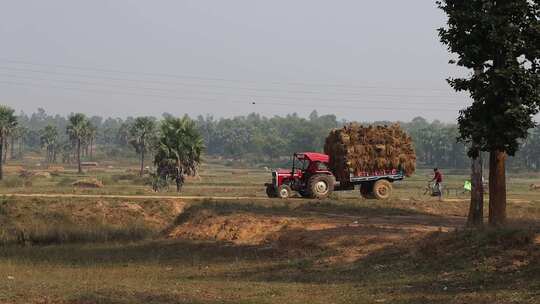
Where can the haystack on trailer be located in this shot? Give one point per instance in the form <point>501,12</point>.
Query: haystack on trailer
<point>371,158</point>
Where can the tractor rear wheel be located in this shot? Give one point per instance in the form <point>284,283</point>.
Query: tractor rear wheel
<point>320,186</point>
<point>284,191</point>
<point>271,191</point>
<point>382,189</point>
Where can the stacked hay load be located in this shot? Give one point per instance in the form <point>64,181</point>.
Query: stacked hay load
<point>356,149</point>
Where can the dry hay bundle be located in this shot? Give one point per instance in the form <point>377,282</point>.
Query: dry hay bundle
<point>88,183</point>
<point>355,148</point>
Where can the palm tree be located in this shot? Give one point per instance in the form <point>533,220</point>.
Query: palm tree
<point>179,149</point>
<point>6,144</point>
<point>19,134</point>
<point>8,122</point>
<point>89,139</point>
<point>77,130</point>
<point>49,138</point>
<point>142,131</point>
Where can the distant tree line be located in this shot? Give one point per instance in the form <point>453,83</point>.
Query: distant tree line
<point>252,138</point>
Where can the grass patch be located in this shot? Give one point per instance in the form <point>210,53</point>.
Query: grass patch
<point>13,182</point>
<point>68,232</point>
<point>66,182</point>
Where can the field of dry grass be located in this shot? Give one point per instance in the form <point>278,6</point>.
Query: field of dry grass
<point>411,249</point>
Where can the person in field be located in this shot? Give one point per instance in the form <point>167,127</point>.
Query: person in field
<point>438,179</point>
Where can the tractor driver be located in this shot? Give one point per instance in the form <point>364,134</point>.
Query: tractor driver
<point>317,166</point>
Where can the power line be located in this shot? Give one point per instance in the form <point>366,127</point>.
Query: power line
<point>210,100</point>
<point>225,87</point>
<point>177,76</point>
<point>215,93</point>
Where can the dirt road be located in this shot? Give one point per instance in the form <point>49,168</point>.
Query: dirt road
<point>113,196</point>
<point>186,198</point>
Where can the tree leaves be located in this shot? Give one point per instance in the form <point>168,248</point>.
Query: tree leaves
<point>502,39</point>
<point>180,145</point>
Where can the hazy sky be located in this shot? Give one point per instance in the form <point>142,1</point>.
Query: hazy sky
<point>362,60</point>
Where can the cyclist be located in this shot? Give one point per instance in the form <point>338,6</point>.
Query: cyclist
<point>438,179</point>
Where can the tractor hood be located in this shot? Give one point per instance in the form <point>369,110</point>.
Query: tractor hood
<point>283,171</point>
<point>286,172</point>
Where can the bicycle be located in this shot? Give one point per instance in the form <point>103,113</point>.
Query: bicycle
<point>431,191</point>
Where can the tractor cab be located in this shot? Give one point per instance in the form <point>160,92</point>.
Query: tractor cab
<point>309,163</point>
<point>307,170</point>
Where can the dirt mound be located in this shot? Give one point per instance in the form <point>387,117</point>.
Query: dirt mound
<point>153,214</point>
<point>355,149</point>
<point>88,183</point>
<point>41,174</point>
<point>45,221</point>
<point>12,169</point>
<point>36,174</point>
<point>241,228</point>
<point>55,169</point>
<point>331,237</point>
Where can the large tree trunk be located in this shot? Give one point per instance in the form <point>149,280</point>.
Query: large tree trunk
<point>497,188</point>
<point>79,156</point>
<point>476,210</point>
<point>179,178</point>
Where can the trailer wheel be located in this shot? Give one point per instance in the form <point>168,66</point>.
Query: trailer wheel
<point>366,190</point>
<point>284,191</point>
<point>321,186</point>
<point>382,189</point>
<point>271,191</point>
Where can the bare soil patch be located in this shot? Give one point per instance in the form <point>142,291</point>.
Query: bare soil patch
<point>337,238</point>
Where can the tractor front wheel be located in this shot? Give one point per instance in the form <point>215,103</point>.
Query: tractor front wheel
<point>382,189</point>
<point>284,191</point>
<point>321,186</point>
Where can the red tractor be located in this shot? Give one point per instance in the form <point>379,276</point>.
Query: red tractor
<point>311,177</point>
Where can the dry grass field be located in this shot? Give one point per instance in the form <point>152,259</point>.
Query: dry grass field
<point>147,247</point>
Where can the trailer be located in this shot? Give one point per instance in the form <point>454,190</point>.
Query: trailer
<point>311,177</point>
